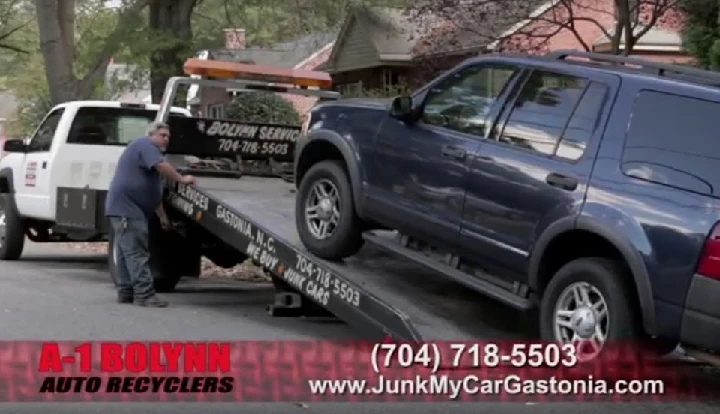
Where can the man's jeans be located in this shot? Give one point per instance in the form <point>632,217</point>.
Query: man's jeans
<point>132,256</point>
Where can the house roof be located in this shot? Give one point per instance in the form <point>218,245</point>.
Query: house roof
<point>285,54</point>
<point>399,34</point>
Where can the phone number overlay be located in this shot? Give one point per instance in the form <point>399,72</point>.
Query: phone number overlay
<point>252,147</point>
<point>436,357</point>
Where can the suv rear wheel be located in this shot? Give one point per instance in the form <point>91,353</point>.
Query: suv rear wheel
<point>325,212</point>
<point>588,302</point>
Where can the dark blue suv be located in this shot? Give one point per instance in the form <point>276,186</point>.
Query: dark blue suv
<point>583,185</point>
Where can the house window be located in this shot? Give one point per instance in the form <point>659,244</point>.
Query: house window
<point>354,88</point>
<point>216,111</point>
<point>390,78</point>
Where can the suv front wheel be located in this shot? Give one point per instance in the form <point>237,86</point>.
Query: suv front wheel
<point>325,212</point>
<point>588,302</point>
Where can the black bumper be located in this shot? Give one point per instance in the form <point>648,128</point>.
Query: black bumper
<point>701,317</point>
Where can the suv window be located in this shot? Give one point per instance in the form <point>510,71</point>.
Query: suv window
<point>583,123</point>
<point>673,140</point>
<point>109,126</point>
<point>542,110</point>
<point>463,101</point>
<point>43,138</point>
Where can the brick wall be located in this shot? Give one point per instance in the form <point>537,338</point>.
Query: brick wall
<point>234,39</point>
<point>596,12</point>
<point>303,104</point>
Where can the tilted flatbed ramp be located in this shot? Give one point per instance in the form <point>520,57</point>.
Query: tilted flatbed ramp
<point>394,297</point>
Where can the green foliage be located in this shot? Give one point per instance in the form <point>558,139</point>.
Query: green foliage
<point>266,107</point>
<point>701,34</point>
<point>266,22</point>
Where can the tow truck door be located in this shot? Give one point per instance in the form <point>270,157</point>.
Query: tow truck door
<point>33,195</point>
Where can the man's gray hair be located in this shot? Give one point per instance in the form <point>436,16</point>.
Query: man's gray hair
<point>154,126</point>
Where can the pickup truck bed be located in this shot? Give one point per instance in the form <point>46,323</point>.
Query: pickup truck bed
<point>398,298</point>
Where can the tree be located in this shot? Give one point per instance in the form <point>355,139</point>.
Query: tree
<point>12,21</point>
<point>263,107</point>
<point>56,20</point>
<point>701,32</point>
<point>623,22</point>
<point>170,24</point>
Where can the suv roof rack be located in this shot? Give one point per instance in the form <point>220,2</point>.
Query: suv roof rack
<point>660,69</point>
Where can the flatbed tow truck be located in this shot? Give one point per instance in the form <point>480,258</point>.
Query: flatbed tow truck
<point>378,294</point>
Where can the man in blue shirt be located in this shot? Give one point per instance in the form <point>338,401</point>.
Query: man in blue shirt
<point>135,195</point>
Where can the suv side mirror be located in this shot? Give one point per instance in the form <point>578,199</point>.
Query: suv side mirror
<point>14,145</point>
<point>402,108</point>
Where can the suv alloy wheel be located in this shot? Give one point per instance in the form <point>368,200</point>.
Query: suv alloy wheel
<point>325,212</point>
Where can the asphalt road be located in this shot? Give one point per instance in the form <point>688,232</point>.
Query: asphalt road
<point>63,294</point>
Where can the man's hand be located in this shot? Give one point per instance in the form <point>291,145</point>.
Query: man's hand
<point>187,179</point>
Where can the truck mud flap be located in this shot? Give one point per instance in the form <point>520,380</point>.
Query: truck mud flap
<point>309,276</point>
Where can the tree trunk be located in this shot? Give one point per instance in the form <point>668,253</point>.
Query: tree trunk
<point>170,18</point>
<point>56,20</point>
<point>58,59</point>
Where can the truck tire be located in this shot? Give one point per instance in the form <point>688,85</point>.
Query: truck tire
<point>165,246</point>
<point>166,269</point>
<point>112,257</point>
<point>325,192</point>
<point>610,306</point>
<point>12,229</point>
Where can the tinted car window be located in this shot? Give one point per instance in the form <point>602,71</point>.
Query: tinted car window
<point>583,123</point>
<point>463,101</point>
<point>108,126</point>
<point>542,110</point>
<point>674,140</point>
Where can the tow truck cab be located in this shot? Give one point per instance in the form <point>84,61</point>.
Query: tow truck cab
<point>77,145</point>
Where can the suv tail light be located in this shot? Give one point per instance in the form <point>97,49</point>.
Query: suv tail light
<point>709,264</point>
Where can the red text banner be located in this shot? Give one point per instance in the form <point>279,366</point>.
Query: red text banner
<point>317,371</point>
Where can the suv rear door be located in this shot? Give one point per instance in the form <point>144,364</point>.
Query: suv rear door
<point>534,168</point>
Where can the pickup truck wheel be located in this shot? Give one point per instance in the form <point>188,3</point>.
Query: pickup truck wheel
<point>588,302</point>
<point>12,229</point>
<point>112,257</point>
<point>166,272</point>
<point>164,264</point>
<point>325,212</point>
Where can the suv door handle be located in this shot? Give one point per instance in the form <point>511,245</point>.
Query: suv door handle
<point>452,151</point>
<point>562,181</point>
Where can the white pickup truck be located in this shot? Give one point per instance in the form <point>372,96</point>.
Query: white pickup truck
<point>53,186</point>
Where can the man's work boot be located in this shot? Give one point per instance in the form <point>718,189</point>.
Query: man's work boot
<point>125,297</point>
<point>152,302</point>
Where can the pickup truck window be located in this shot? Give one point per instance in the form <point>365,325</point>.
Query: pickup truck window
<point>541,111</point>
<point>673,140</point>
<point>109,126</point>
<point>43,138</point>
<point>463,101</point>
